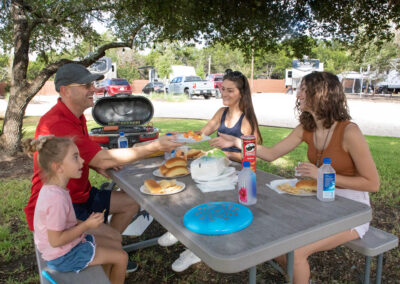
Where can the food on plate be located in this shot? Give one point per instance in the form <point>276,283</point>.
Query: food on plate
<point>152,186</point>
<point>302,186</point>
<point>161,187</point>
<point>195,153</point>
<point>192,134</point>
<point>309,185</point>
<point>176,171</point>
<point>163,170</point>
<point>286,187</point>
<point>174,167</point>
<point>176,161</point>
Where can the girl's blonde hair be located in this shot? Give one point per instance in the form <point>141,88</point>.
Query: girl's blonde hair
<point>51,149</point>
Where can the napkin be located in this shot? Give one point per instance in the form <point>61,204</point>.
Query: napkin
<point>221,184</point>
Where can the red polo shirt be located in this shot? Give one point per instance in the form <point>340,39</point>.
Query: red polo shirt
<point>60,121</point>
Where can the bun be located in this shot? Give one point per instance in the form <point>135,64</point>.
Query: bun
<point>193,153</point>
<point>175,162</point>
<point>152,186</point>
<point>307,184</point>
<point>177,171</point>
<point>163,170</point>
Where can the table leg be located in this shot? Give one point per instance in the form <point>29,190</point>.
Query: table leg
<point>252,275</point>
<point>290,265</point>
<point>140,245</point>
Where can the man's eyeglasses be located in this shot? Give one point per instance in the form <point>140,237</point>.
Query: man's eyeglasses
<point>87,85</point>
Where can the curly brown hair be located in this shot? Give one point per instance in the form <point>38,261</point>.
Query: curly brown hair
<point>325,96</point>
<point>245,103</point>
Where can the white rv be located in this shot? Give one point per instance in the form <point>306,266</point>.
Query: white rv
<point>301,68</point>
<point>104,66</point>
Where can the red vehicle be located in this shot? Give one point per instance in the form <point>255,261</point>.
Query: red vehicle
<point>217,80</point>
<point>110,87</point>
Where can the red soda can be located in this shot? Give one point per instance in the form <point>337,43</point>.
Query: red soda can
<point>249,147</point>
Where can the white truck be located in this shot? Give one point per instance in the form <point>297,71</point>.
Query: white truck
<point>391,84</point>
<point>191,86</point>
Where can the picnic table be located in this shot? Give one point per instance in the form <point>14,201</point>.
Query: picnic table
<point>281,222</point>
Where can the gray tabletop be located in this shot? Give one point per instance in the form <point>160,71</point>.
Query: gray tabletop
<point>281,222</point>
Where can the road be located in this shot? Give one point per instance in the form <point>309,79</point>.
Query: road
<point>375,117</point>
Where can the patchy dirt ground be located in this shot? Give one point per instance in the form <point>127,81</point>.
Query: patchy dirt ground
<point>338,266</point>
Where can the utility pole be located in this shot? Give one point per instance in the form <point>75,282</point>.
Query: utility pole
<point>252,70</point>
<point>209,65</point>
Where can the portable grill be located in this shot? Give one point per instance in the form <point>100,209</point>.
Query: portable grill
<point>125,113</point>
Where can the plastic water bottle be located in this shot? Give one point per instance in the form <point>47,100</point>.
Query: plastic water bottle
<point>169,155</point>
<point>122,140</point>
<point>326,181</point>
<point>247,185</point>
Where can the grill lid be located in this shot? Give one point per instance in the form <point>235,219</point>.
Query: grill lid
<point>123,110</point>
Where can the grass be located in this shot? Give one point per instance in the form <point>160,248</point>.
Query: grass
<point>16,245</point>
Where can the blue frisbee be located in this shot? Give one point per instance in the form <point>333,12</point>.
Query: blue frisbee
<point>217,218</point>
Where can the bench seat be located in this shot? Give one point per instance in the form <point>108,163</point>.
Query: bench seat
<point>90,275</point>
<point>374,243</point>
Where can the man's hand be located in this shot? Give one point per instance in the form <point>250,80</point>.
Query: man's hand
<point>166,143</point>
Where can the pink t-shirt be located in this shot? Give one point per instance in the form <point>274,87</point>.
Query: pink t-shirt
<point>54,212</point>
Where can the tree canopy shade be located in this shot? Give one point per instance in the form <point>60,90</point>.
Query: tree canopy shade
<point>55,25</point>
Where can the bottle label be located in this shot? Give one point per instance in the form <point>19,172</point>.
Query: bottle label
<point>123,144</point>
<point>243,194</point>
<point>328,186</point>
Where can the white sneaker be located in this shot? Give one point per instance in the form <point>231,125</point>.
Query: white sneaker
<point>167,240</point>
<point>186,259</point>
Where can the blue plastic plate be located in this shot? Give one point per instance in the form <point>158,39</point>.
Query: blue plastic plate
<point>217,218</point>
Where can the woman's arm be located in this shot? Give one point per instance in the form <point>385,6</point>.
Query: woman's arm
<point>213,124</point>
<point>367,178</point>
<point>282,147</point>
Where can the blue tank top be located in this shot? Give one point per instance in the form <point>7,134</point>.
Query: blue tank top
<point>234,131</point>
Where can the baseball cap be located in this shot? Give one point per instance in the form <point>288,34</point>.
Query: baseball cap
<point>73,73</point>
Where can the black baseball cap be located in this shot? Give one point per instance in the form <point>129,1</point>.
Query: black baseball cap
<point>73,73</point>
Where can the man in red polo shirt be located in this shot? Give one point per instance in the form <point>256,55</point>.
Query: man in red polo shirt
<point>75,86</point>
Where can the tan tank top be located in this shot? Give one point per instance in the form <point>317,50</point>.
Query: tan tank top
<point>340,159</point>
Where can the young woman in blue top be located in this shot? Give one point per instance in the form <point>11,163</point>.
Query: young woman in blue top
<point>237,118</point>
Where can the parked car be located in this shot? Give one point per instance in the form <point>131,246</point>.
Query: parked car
<point>153,87</point>
<point>217,81</point>
<point>111,87</point>
<point>192,86</point>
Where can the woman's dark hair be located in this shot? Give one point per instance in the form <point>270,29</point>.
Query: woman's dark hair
<point>245,103</point>
<point>325,96</point>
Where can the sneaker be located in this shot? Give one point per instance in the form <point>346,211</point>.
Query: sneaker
<point>132,266</point>
<point>186,259</point>
<point>167,240</point>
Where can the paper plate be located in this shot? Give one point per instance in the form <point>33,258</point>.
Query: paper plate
<point>183,139</point>
<point>157,173</point>
<point>217,218</point>
<point>144,190</point>
<point>292,182</point>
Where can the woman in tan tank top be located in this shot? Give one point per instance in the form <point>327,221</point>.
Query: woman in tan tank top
<point>325,127</point>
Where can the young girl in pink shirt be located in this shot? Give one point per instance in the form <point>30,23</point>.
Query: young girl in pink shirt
<point>58,236</point>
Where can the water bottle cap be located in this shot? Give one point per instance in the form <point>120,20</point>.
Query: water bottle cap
<point>173,151</point>
<point>246,164</point>
<point>168,134</point>
<point>121,133</point>
<point>326,160</point>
